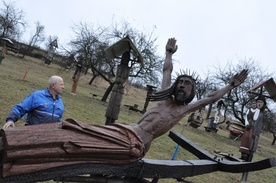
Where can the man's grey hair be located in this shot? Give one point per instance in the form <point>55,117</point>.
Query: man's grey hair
<point>54,79</point>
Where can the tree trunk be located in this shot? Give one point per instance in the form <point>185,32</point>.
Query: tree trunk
<point>274,138</point>
<point>86,70</point>
<point>107,92</point>
<point>92,79</point>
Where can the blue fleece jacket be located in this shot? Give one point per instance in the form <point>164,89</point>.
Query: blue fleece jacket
<point>40,108</point>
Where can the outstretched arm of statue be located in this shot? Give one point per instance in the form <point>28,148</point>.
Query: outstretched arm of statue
<point>235,81</point>
<point>171,48</point>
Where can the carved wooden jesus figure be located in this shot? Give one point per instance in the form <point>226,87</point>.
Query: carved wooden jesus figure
<point>32,148</point>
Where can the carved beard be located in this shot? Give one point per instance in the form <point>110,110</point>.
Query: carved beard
<point>180,97</point>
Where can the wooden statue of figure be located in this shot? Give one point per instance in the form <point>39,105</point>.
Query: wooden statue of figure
<point>258,125</point>
<point>195,119</point>
<point>114,104</point>
<point>218,113</point>
<point>250,118</point>
<point>213,121</point>
<point>33,148</point>
<point>150,89</point>
<point>254,124</point>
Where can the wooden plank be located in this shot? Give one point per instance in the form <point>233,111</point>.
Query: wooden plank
<point>258,85</point>
<point>223,164</point>
<point>145,168</point>
<point>269,85</point>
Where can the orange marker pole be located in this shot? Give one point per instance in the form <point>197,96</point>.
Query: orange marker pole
<point>26,72</point>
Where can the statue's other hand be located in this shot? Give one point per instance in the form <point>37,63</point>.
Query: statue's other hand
<point>239,78</point>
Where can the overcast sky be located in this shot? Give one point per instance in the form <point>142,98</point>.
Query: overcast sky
<point>208,32</point>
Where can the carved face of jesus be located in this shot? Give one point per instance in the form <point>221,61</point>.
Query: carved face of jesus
<point>183,89</point>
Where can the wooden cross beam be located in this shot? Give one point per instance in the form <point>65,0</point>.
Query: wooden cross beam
<point>223,164</point>
<point>270,87</point>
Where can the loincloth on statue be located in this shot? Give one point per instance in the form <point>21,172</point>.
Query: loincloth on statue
<point>39,147</point>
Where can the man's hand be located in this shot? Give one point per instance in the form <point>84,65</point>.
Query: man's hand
<point>239,78</point>
<point>9,124</point>
<point>171,45</point>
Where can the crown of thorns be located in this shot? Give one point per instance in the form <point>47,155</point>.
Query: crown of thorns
<point>188,73</point>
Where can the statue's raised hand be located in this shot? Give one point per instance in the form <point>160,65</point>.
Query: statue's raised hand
<point>239,78</point>
<point>171,45</point>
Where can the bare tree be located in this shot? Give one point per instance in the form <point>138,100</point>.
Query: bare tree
<point>270,123</point>
<point>37,38</point>
<point>152,66</point>
<point>11,20</point>
<point>238,98</point>
<point>146,44</point>
<point>90,43</point>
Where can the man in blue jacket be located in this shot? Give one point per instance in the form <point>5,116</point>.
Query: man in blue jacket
<point>41,106</point>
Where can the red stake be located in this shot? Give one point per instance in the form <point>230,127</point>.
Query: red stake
<point>26,72</point>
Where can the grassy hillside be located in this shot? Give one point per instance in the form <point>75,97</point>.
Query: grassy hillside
<point>90,109</point>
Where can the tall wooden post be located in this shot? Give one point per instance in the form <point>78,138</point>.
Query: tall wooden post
<point>113,109</point>
<point>129,56</point>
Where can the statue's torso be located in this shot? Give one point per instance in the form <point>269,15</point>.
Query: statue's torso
<point>161,118</point>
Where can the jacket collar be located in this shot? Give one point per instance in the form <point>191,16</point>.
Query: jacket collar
<point>47,92</point>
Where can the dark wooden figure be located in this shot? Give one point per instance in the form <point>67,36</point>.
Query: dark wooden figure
<point>214,121</point>
<point>52,47</point>
<point>113,109</point>
<point>130,56</point>
<point>150,89</point>
<point>195,119</point>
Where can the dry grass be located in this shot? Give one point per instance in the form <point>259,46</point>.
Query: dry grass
<point>86,108</point>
